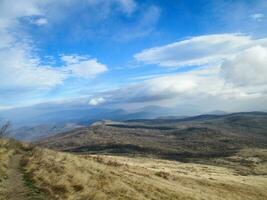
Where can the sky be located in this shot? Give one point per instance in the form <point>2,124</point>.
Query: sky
<point>203,54</point>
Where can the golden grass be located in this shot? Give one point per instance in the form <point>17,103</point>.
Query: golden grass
<point>83,177</point>
<point>67,176</point>
<point>5,154</point>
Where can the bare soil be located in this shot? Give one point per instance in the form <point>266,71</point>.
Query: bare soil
<point>16,187</point>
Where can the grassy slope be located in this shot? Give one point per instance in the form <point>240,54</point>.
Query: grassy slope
<point>67,176</point>
<point>6,151</point>
<point>239,175</point>
<point>14,183</point>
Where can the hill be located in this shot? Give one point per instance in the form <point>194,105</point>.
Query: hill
<point>29,172</point>
<point>176,139</point>
<point>200,157</point>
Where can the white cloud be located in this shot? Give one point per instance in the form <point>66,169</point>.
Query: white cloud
<point>6,39</point>
<point>83,66</point>
<point>96,101</point>
<point>10,10</point>
<point>169,85</point>
<point>237,63</point>
<point>247,68</point>
<point>243,58</point>
<point>40,21</point>
<point>257,16</point>
<point>2,108</point>
<point>72,59</point>
<point>20,67</point>
<point>87,68</point>
<point>233,75</point>
<point>204,88</point>
<point>20,70</point>
<point>199,50</point>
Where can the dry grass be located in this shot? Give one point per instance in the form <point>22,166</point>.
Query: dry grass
<point>245,162</point>
<point>67,176</point>
<point>6,151</point>
<point>83,177</point>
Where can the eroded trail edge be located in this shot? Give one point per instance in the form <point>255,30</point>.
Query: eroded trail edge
<point>19,187</point>
<point>16,187</point>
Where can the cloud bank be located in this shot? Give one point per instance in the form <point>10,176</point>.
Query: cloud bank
<point>231,68</point>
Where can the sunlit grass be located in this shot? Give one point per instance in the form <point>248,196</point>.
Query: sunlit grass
<point>69,176</point>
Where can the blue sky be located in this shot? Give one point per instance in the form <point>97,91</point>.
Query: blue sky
<point>130,54</point>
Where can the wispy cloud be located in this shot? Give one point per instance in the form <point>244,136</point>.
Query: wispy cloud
<point>200,50</point>
<point>142,27</point>
<point>21,68</point>
<point>40,21</point>
<point>257,16</point>
<point>128,6</point>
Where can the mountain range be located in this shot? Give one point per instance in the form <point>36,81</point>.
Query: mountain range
<point>35,122</point>
<point>178,139</point>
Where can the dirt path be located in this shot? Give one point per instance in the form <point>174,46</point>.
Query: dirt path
<point>16,186</point>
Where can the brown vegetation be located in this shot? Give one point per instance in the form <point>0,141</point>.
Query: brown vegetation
<point>181,139</point>
<point>67,176</point>
<point>226,158</point>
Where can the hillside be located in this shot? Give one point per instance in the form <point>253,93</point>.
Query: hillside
<point>100,177</point>
<point>202,136</point>
<point>202,157</point>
